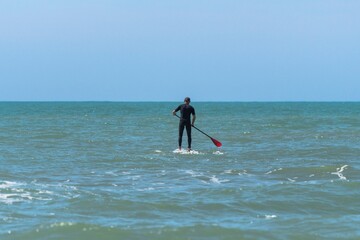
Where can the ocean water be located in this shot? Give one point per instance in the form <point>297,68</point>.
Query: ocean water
<point>104,170</point>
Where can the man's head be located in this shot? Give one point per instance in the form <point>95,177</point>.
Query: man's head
<point>187,100</point>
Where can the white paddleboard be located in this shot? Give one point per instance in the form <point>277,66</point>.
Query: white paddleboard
<point>185,151</point>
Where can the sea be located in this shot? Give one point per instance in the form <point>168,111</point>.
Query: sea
<point>110,170</point>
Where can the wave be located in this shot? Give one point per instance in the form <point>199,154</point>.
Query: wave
<point>313,174</point>
<point>12,192</point>
<point>84,231</point>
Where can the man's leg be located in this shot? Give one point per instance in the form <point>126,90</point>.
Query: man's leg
<point>188,131</point>
<point>181,131</point>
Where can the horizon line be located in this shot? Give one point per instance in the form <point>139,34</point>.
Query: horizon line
<point>165,101</point>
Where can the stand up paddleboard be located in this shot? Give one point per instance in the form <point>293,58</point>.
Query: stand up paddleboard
<point>184,151</point>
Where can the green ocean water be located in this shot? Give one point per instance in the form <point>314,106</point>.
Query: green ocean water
<point>107,170</point>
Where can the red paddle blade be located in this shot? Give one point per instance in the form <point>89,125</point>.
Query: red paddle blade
<point>216,142</point>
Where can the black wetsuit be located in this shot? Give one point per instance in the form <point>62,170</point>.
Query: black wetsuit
<point>185,121</point>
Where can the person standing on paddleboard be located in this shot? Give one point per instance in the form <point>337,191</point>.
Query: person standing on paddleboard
<point>186,111</point>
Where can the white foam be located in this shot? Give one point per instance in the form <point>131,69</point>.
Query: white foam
<point>339,172</point>
<point>13,193</point>
<point>274,170</point>
<point>216,180</point>
<point>7,198</point>
<point>218,153</point>
<point>61,224</point>
<point>193,173</point>
<point>291,180</point>
<point>8,184</point>
<point>111,173</point>
<point>183,151</point>
<point>146,189</point>
<point>238,172</point>
<point>13,196</point>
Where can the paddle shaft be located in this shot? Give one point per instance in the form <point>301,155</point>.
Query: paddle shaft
<point>196,128</point>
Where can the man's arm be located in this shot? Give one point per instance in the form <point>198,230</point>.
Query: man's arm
<point>175,110</point>
<point>193,119</point>
<point>193,116</point>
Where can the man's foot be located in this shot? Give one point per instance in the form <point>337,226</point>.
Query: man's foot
<point>179,148</point>
<point>189,149</point>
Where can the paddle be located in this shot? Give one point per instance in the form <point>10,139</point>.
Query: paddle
<point>216,142</point>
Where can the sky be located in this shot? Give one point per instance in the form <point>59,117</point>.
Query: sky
<point>161,50</point>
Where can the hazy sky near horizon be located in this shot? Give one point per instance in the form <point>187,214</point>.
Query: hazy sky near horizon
<point>161,50</point>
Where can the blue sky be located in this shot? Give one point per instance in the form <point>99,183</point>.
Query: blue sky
<point>138,50</point>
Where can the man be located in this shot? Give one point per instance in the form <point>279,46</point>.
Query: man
<point>185,120</point>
